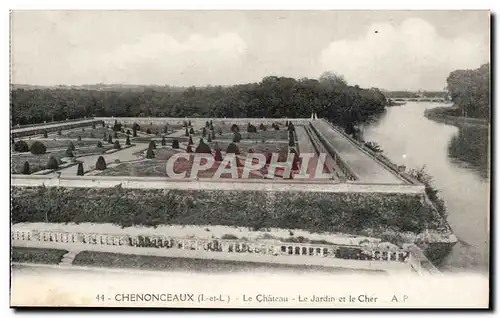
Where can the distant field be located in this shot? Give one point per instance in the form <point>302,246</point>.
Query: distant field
<point>37,255</point>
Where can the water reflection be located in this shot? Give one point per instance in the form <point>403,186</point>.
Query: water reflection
<point>469,148</point>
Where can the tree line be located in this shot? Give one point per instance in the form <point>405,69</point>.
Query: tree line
<point>470,91</point>
<point>274,97</point>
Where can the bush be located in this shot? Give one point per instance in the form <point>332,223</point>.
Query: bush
<point>213,134</point>
<point>21,146</point>
<point>204,132</point>
<point>152,144</point>
<point>93,126</point>
<point>188,149</point>
<point>99,144</point>
<point>79,172</point>
<point>203,148</point>
<point>190,141</point>
<point>219,130</point>
<point>37,148</point>
<point>117,127</point>
<point>69,153</point>
<point>79,138</point>
<point>45,134</point>
<point>110,139</point>
<point>117,145</point>
<point>127,141</point>
<point>218,155</point>
<point>209,138</point>
<point>251,128</point>
<point>189,123</point>
<point>134,134</point>
<point>117,161</point>
<point>232,148</point>
<point>163,141</point>
<point>150,153</point>
<point>186,133</point>
<point>101,163</point>
<point>291,143</point>
<point>262,127</point>
<point>115,135</point>
<point>373,146</point>
<point>83,129</point>
<point>26,168</point>
<point>52,164</point>
<point>128,131</point>
<point>148,131</point>
<point>136,127</point>
<point>105,138</point>
<point>191,130</point>
<point>175,144</point>
<point>236,137</point>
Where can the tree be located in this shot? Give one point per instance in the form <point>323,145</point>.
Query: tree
<point>59,132</point>
<point>52,163</point>
<point>150,153</point>
<point>92,134</point>
<point>187,132</point>
<point>203,147</point>
<point>37,148</point>
<point>209,138</point>
<point>21,146</point>
<point>117,126</point>
<point>188,149</point>
<point>190,141</point>
<point>26,168</point>
<point>128,131</point>
<point>101,163</point>
<point>232,148</point>
<point>115,135</point>
<point>235,128</point>
<point>93,126</point>
<point>165,129</point>
<point>296,160</point>
<point>204,132</point>
<point>191,130</point>
<point>105,138</point>
<point>163,141</point>
<point>236,137</point>
<point>110,139</point>
<point>134,133</point>
<point>69,153</point>
<point>99,144</point>
<point>213,135</point>
<point>291,142</point>
<point>262,127</point>
<point>45,134</point>
<point>127,141</point>
<point>189,123</point>
<point>152,144</point>
<point>148,131</point>
<point>175,144</point>
<point>117,145</point>
<point>79,172</point>
<point>79,138</point>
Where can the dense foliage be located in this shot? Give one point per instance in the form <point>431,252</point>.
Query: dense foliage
<point>470,91</point>
<point>273,97</point>
<point>313,211</point>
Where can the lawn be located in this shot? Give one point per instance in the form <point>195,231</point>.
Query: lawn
<point>36,162</point>
<point>97,133</point>
<point>37,255</point>
<point>57,144</point>
<point>115,260</point>
<point>258,136</point>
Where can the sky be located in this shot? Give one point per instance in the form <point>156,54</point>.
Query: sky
<point>393,50</point>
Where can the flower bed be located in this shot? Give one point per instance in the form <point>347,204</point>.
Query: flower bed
<point>37,255</point>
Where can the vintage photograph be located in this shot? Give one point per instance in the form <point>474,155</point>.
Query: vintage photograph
<point>250,159</point>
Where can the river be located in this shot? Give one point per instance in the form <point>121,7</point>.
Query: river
<point>457,158</point>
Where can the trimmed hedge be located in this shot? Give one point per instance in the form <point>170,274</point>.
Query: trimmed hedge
<point>312,211</point>
<point>21,146</point>
<point>38,148</point>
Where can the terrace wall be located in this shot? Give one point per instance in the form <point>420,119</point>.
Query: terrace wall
<point>40,129</point>
<point>200,122</point>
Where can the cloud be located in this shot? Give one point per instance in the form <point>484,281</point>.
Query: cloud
<point>408,56</point>
<point>160,58</point>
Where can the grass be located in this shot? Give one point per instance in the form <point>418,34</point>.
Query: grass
<point>258,136</point>
<point>115,260</point>
<point>57,144</point>
<point>37,255</point>
<point>36,162</point>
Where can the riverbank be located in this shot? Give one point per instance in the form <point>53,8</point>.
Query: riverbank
<point>447,115</point>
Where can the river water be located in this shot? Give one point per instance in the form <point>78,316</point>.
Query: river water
<point>457,158</point>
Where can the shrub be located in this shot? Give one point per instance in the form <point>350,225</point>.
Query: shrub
<point>286,123</point>
<point>218,155</point>
<point>69,153</point>
<point>59,132</point>
<point>219,130</point>
<point>83,129</point>
<point>276,127</point>
<point>184,123</point>
<point>175,144</point>
<point>37,148</point>
<point>186,133</point>
<point>189,123</point>
<point>232,148</point>
<point>150,153</point>
<point>229,237</point>
<point>262,127</point>
<point>92,134</point>
<point>190,141</point>
<point>93,126</point>
<point>105,138</point>
<point>204,132</point>
<point>128,131</point>
<point>110,139</point>
<point>136,126</point>
<point>373,146</point>
<point>188,149</point>
<point>165,129</point>
<point>203,148</point>
<point>117,145</point>
<point>79,172</point>
<point>213,135</point>
<point>52,163</point>
<point>45,134</point>
<point>117,161</point>
<point>209,138</point>
<point>26,168</point>
<point>79,138</point>
<point>99,144</point>
<point>115,135</point>
<point>163,141</point>
<point>101,163</point>
<point>127,141</point>
<point>235,128</point>
<point>236,137</point>
<point>21,146</point>
<point>117,127</point>
<point>103,124</point>
<point>251,128</point>
<point>291,143</point>
<point>152,144</point>
<point>191,130</point>
<point>148,131</point>
<point>134,134</point>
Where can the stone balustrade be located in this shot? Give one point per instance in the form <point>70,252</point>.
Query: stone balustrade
<point>379,253</point>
